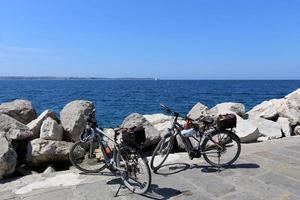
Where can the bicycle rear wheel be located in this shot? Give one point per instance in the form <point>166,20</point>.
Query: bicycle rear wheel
<point>161,152</point>
<point>135,171</point>
<point>87,157</point>
<point>221,149</point>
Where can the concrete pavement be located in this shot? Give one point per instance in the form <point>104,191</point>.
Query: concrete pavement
<point>268,170</point>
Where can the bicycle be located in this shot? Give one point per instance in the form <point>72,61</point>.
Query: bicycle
<point>92,154</point>
<point>213,143</point>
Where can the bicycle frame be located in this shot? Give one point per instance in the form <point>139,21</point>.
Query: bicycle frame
<point>100,135</point>
<point>175,130</point>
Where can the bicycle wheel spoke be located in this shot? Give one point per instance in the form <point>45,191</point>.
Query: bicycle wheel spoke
<point>223,152</point>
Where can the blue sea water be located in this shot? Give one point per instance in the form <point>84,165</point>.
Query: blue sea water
<point>115,99</point>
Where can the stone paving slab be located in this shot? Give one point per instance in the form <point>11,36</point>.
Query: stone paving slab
<point>268,170</point>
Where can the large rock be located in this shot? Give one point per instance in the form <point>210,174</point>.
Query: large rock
<point>265,110</point>
<point>73,118</point>
<point>35,125</point>
<point>297,130</point>
<point>160,122</point>
<point>40,151</point>
<point>229,107</point>
<point>20,110</point>
<point>290,107</point>
<point>152,134</point>
<point>267,128</point>
<point>8,157</point>
<point>14,129</point>
<point>51,130</point>
<point>199,110</point>
<point>246,131</point>
<point>285,126</point>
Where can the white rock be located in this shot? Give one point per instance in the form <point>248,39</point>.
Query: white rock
<point>246,131</point>
<point>267,128</point>
<point>49,170</point>
<point>8,157</point>
<point>285,126</point>
<point>73,118</point>
<point>14,129</point>
<point>51,130</point>
<point>40,151</point>
<point>297,130</point>
<point>35,125</point>
<point>152,134</point>
<point>20,110</point>
<point>198,111</point>
<point>224,108</point>
<point>265,110</point>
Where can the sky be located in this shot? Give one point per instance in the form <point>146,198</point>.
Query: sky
<point>167,39</point>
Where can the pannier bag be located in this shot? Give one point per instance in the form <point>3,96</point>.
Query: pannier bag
<point>134,136</point>
<point>227,121</point>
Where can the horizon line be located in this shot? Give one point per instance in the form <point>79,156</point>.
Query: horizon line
<point>127,78</point>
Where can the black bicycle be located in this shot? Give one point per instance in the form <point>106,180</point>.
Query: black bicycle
<point>92,154</point>
<point>220,147</point>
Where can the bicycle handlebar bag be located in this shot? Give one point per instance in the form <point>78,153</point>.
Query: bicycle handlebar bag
<point>134,136</point>
<point>227,121</point>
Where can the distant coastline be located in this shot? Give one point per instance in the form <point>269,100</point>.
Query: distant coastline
<point>68,78</point>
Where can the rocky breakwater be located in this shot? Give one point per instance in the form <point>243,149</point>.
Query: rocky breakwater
<point>28,141</point>
<point>272,119</point>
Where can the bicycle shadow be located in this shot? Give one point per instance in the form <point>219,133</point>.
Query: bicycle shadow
<point>154,192</point>
<point>174,168</point>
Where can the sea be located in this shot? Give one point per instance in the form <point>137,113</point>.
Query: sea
<point>116,99</point>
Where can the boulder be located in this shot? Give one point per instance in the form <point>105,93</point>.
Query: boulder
<point>35,125</point>
<point>49,170</point>
<point>160,122</point>
<point>40,151</point>
<point>199,110</point>
<point>51,130</point>
<point>246,131</point>
<point>8,157</point>
<point>20,110</point>
<point>265,110</point>
<point>14,129</point>
<point>267,128</point>
<point>152,134</point>
<point>297,130</point>
<point>73,118</point>
<point>285,126</point>
<point>290,109</point>
<point>224,108</point>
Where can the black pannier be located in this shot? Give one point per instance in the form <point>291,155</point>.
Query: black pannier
<point>134,136</point>
<point>227,121</point>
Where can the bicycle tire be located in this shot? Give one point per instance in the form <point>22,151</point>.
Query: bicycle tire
<point>72,157</point>
<point>162,142</point>
<point>123,153</point>
<point>233,137</point>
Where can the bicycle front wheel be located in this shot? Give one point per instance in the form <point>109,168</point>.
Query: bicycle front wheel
<point>87,157</point>
<point>134,169</point>
<point>161,152</point>
<point>221,148</point>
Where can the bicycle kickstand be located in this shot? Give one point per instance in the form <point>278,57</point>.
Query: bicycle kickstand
<point>118,190</point>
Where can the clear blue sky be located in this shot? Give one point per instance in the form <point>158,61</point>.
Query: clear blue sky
<point>175,39</point>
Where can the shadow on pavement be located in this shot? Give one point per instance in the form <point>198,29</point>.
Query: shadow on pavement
<point>175,168</point>
<point>154,192</point>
